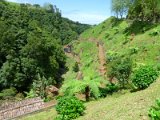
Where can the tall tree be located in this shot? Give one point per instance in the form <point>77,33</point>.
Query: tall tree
<point>120,7</point>
<point>31,39</point>
<point>145,10</point>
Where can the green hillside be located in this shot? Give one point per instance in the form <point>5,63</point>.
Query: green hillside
<point>119,106</point>
<point>109,71</point>
<point>139,40</point>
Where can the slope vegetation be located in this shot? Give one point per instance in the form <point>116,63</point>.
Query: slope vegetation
<point>119,106</point>
<point>136,39</point>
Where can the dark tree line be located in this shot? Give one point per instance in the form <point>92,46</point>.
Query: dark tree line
<point>31,39</point>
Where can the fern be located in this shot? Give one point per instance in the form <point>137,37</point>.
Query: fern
<point>78,86</point>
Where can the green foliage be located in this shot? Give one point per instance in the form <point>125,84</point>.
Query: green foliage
<point>69,108</point>
<point>31,94</point>
<point>72,87</point>
<point>8,93</point>
<point>133,50</point>
<point>120,7</point>
<point>40,84</point>
<point>144,76</point>
<point>125,41</point>
<point>109,89</point>
<point>31,43</point>
<point>19,96</point>
<point>148,12</point>
<point>154,112</point>
<point>111,56</point>
<point>121,69</point>
<point>76,67</point>
<point>155,32</point>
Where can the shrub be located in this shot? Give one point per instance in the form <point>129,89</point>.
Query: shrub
<point>154,112</point>
<point>8,93</point>
<point>31,94</point>
<point>158,67</point>
<point>19,96</point>
<point>69,108</point>
<point>109,89</point>
<point>76,67</point>
<point>111,56</point>
<point>155,32</point>
<point>121,69</point>
<point>125,41</point>
<point>144,76</point>
<point>133,50</point>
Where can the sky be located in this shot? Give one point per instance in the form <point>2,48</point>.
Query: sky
<point>83,11</point>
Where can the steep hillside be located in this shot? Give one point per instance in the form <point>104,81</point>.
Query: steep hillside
<point>138,40</point>
<point>130,106</point>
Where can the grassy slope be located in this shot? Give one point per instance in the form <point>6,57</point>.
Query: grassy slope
<point>89,64</point>
<point>116,37</point>
<point>130,106</point>
<point>119,106</point>
<point>49,114</point>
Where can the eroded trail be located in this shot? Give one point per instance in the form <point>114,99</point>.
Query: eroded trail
<point>101,56</point>
<point>102,59</point>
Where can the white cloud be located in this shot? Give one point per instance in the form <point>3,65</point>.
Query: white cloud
<point>89,18</point>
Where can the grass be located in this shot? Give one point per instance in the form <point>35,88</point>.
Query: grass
<point>48,114</point>
<point>116,34</point>
<point>130,106</point>
<point>123,105</point>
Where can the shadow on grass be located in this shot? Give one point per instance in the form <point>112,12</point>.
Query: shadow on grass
<point>115,21</point>
<point>139,27</point>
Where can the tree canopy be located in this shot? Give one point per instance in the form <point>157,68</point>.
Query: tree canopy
<point>31,39</point>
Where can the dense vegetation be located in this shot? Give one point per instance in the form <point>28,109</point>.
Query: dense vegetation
<point>31,42</point>
<point>69,108</point>
<point>132,56</point>
<point>143,10</point>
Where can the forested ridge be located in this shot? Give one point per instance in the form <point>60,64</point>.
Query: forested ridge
<point>31,40</point>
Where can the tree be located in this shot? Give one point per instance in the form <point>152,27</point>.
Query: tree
<point>120,7</point>
<point>145,10</point>
<point>121,69</point>
<point>31,44</point>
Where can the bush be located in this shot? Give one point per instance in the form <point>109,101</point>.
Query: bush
<point>69,108</point>
<point>8,93</point>
<point>76,67</point>
<point>133,50</point>
<point>144,76</point>
<point>155,32</point>
<point>154,112</point>
<point>109,89</point>
<point>121,69</point>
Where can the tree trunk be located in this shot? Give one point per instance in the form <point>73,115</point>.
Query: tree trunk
<point>87,93</point>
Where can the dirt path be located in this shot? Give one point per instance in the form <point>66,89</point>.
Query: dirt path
<point>101,56</point>
<point>102,59</point>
